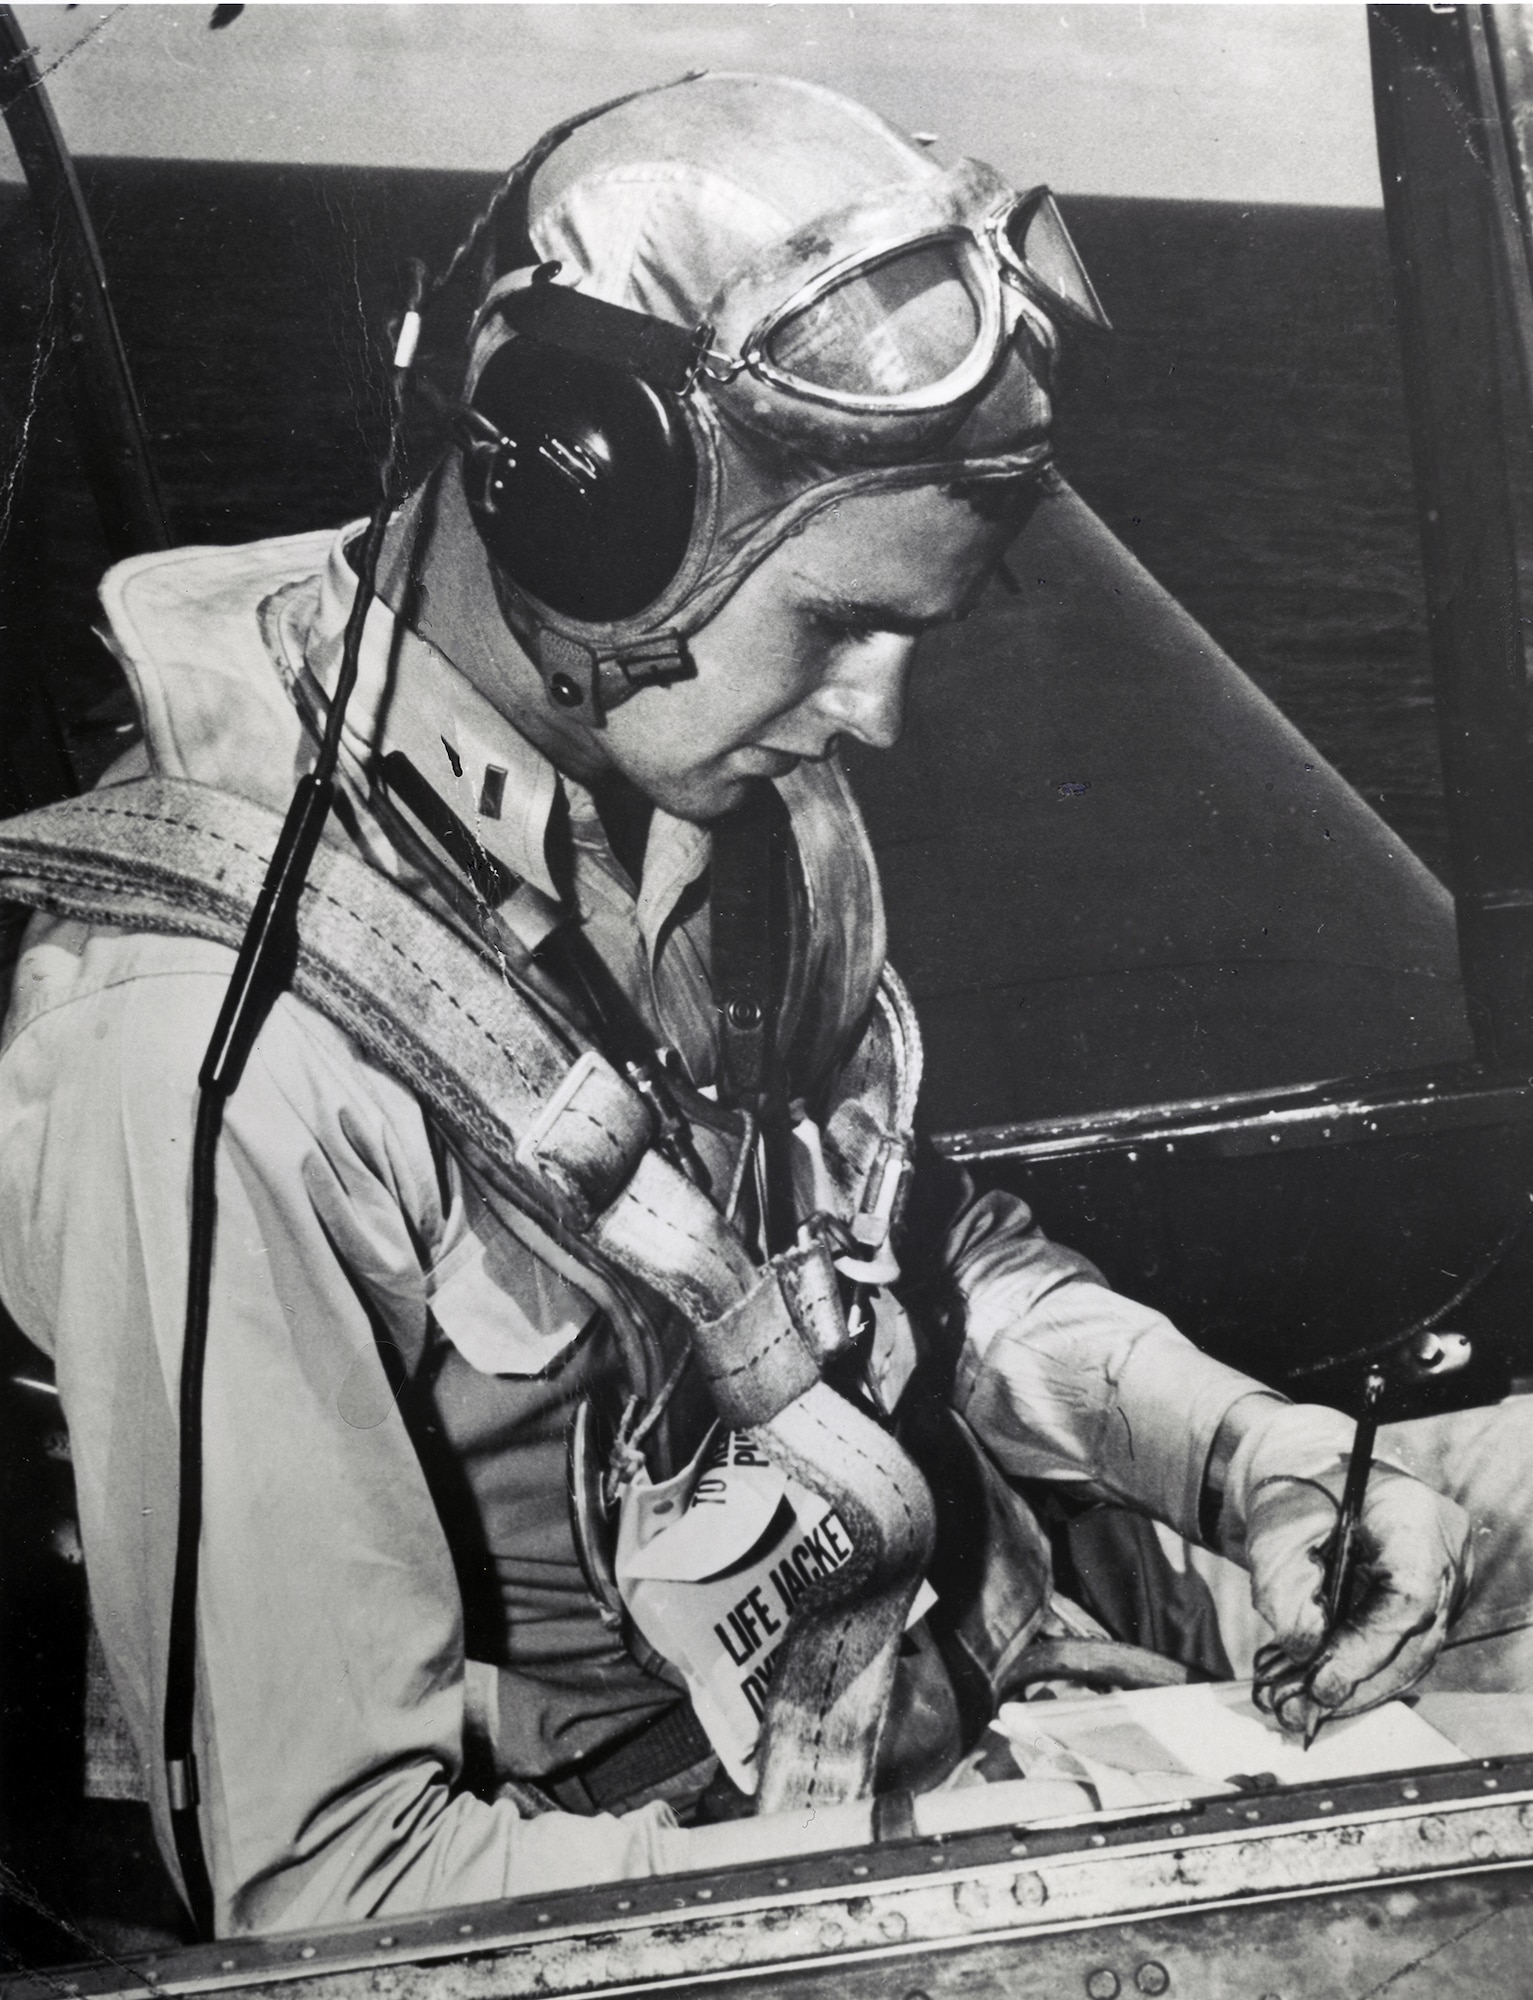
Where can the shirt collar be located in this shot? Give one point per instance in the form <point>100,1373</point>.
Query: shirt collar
<point>410,697</point>
<point>677,852</point>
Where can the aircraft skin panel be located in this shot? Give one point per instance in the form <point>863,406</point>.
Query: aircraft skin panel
<point>1117,874</point>
<point>1338,1889</point>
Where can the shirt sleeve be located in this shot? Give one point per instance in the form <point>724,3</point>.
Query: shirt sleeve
<point>331,1681</point>
<point>1067,1380</point>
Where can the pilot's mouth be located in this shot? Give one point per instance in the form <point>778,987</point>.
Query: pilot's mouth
<point>770,763</point>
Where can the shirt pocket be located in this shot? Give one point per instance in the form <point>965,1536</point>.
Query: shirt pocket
<point>503,1309</point>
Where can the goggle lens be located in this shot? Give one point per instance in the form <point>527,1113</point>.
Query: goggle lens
<point>1043,255</point>
<point>904,323</point>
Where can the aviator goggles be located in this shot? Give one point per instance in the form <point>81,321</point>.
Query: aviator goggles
<point>917,324</point>
<point>905,339</point>
<point>876,352</point>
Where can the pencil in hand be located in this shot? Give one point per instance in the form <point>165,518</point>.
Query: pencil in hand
<point>1341,1557</point>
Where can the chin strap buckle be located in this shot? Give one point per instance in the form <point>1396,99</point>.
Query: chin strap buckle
<point>657,662</point>
<point>588,685</point>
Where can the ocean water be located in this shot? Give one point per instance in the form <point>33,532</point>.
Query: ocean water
<point>1242,429</point>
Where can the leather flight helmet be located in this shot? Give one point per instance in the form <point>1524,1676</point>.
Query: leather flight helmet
<point>717,308</point>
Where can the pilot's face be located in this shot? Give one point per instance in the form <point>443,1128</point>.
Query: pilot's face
<point>814,646</point>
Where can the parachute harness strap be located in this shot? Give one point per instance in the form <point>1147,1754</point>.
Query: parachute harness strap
<point>488,1062</point>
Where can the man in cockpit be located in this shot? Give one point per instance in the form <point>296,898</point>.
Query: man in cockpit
<point>445,1650</point>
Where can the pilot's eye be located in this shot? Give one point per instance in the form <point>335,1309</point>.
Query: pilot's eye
<point>846,629</point>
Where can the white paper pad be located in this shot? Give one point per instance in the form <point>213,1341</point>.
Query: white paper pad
<point>1218,1731</point>
<point>1213,1734</point>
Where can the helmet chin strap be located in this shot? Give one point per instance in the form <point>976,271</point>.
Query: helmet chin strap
<point>582,681</point>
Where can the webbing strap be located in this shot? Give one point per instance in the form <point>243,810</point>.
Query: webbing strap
<point>743,929</point>
<point>619,1779</point>
<point>764,1352</point>
<point>168,855</point>
<point>550,1127</point>
<point>662,352</point>
<point>830,1696</point>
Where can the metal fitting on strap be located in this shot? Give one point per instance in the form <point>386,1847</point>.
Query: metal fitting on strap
<point>588,1136</point>
<point>885,1186</point>
<point>181,1783</point>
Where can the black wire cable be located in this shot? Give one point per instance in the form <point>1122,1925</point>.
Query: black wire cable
<point>267,955</point>
<point>1379,1350</point>
<point>181,1659</point>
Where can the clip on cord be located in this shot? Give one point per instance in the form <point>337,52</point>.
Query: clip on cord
<point>750,925</point>
<point>267,955</point>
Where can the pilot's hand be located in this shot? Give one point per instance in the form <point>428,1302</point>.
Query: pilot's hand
<point>1282,1486</point>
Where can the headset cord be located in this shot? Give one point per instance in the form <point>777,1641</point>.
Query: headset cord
<point>267,956</point>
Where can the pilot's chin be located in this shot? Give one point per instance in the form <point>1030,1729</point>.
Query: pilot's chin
<point>717,798</point>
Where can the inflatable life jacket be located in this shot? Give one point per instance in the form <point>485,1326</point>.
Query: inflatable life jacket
<point>559,1140</point>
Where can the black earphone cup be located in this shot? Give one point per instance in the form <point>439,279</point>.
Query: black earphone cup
<point>588,503</point>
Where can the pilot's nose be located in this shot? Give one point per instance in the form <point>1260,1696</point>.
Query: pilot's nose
<point>865,698</point>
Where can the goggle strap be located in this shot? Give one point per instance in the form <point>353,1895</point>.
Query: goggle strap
<point>1076,297</point>
<point>662,354</point>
